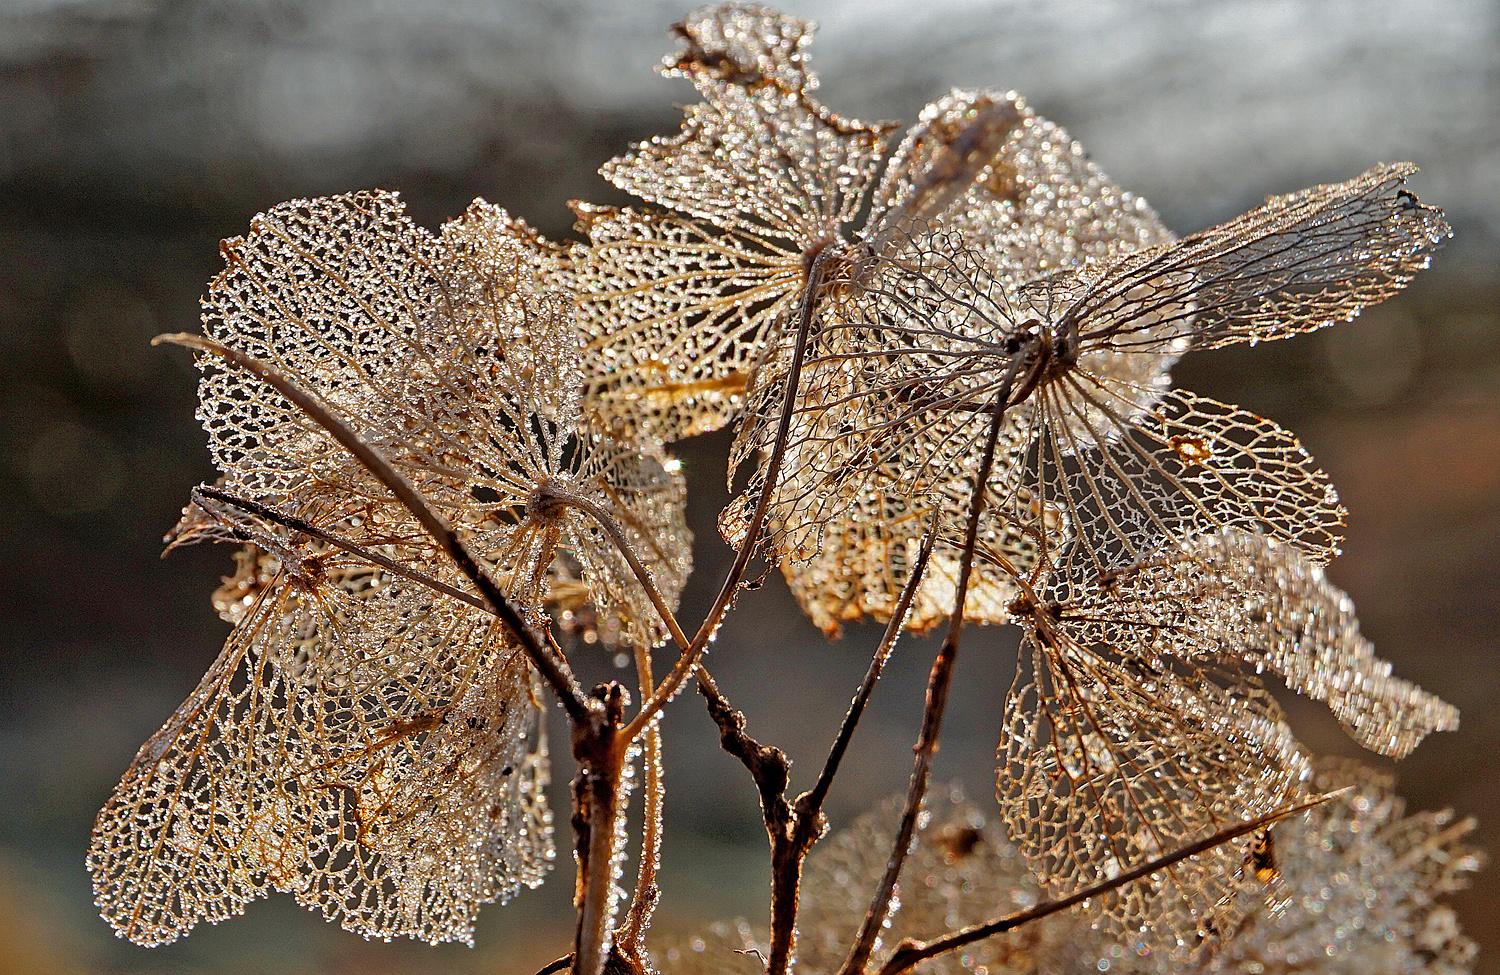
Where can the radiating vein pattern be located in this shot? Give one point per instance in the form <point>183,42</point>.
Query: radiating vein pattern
<point>458,360</point>
<point>368,739</point>
<point>894,402</point>
<point>1138,716</point>
<point>907,369</point>
<point>681,304</point>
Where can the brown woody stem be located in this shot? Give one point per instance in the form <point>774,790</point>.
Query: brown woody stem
<point>938,683</point>
<point>810,803</point>
<point>600,751</point>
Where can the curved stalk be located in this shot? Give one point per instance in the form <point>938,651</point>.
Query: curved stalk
<point>689,659</point>
<point>643,575</point>
<point>307,528</point>
<point>631,939</point>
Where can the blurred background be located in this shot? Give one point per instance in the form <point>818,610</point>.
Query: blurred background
<point>134,134</point>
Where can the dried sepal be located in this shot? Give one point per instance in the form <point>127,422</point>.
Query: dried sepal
<point>362,743</point>
<point>327,292</point>
<point>757,157</point>
<point>1133,479</point>
<point>1115,753</point>
<point>743,43</point>
<point>1297,263</point>
<point>677,315</point>
<point>864,558</point>
<point>681,305</point>
<point>1138,718</point>
<point>1284,616</point>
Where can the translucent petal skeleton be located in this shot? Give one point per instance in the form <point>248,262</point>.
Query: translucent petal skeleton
<point>456,358</point>
<point>681,304</point>
<point>1356,887</point>
<point>367,740</point>
<point>691,310</point>
<point>1138,720</point>
<point>904,378</point>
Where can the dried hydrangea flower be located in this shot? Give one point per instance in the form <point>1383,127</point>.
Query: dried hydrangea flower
<point>457,359</point>
<point>681,303</point>
<point>1138,719</point>
<point>930,345</point>
<point>368,738</point>
<point>852,476</point>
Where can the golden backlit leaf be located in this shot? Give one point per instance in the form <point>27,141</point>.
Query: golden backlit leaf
<point>1115,754</point>
<point>366,741</point>
<point>873,434</point>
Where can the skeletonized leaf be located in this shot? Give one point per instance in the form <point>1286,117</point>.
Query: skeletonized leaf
<point>1138,718</point>
<point>1287,618</point>
<point>457,359</point>
<point>1359,886</point>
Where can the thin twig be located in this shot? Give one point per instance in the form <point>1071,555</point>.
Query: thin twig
<point>265,513</point>
<point>731,584</point>
<point>811,801</point>
<point>553,668</point>
<point>910,953</point>
<point>631,938</point>
<point>617,535</point>
<point>938,683</point>
<point>802,824</point>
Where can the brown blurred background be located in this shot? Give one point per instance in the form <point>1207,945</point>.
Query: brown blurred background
<point>134,134</point>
